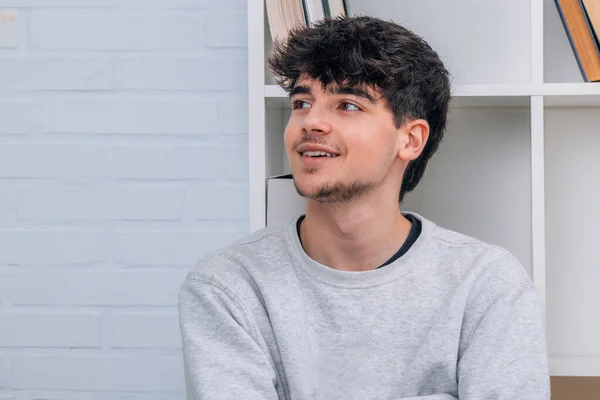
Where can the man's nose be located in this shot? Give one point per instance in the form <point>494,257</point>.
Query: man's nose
<point>316,121</point>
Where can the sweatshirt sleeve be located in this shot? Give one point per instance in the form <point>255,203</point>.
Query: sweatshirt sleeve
<point>506,357</point>
<point>222,359</point>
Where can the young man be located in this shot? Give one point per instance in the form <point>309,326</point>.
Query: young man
<point>355,299</point>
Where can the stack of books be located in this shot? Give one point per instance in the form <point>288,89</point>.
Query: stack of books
<point>284,15</point>
<point>581,19</point>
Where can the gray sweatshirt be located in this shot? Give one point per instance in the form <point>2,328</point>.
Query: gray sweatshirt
<point>452,318</point>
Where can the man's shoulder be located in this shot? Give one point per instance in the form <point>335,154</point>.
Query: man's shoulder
<point>477,273</point>
<point>252,255</point>
<point>473,256</point>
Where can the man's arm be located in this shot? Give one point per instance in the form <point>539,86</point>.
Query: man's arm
<point>222,359</point>
<point>506,357</point>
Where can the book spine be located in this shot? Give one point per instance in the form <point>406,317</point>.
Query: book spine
<point>306,14</point>
<point>571,41</point>
<point>590,27</point>
<point>326,9</point>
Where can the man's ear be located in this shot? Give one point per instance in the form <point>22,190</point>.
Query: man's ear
<point>413,136</point>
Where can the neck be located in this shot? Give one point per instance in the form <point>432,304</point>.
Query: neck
<point>357,236</point>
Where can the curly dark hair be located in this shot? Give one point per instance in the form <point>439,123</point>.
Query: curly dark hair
<point>368,51</point>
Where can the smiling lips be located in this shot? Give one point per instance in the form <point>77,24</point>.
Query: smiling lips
<point>318,154</point>
<point>315,155</point>
<point>315,150</point>
<point>316,158</point>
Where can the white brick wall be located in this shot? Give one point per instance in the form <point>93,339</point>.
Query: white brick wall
<point>123,159</point>
<point>114,30</point>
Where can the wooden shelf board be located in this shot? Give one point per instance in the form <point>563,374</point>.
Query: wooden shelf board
<point>575,387</point>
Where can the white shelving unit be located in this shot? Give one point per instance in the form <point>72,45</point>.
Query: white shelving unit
<point>520,165</point>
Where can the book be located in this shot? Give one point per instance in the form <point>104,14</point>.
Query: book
<point>581,37</point>
<point>337,8</point>
<point>284,15</point>
<point>592,9</point>
<point>314,10</point>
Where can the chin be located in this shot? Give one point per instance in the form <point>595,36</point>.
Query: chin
<point>330,191</point>
<point>306,186</point>
<point>316,190</point>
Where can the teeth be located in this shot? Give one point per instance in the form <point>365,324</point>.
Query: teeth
<point>318,153</point>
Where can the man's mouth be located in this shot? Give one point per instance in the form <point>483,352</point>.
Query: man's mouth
<point>318,154</point>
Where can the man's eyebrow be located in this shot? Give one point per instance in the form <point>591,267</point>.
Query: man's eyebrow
<point>300,89</point>
<point>336,90</point>
<point>352,90</point>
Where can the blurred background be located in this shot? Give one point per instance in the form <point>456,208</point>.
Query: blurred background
<point>123,159</point>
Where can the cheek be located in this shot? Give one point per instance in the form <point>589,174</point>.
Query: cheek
<point>290,135</point>
<point>369,156</point>
<point>362,156</point>
<point>286,139</point>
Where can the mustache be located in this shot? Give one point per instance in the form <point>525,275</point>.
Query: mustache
<point>316,139</point>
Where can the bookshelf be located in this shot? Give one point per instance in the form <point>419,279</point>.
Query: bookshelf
<point>522,146</point>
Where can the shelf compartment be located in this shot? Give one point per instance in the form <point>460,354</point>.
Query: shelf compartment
<point>470,37</point>
<point>560,62</point>
<point>572,183</point>
<point>479,181</point>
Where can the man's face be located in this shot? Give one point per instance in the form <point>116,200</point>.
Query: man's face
<point>341,143</point>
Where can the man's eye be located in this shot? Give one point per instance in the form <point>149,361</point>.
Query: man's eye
<point>349,106</point>
<point>298,104</point>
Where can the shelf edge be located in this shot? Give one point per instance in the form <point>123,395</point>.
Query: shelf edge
<point>275,91</point>
<point>574,365</point>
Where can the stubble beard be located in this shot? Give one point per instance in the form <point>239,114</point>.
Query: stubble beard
<point>340,192</point>
<point>336,192</point>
